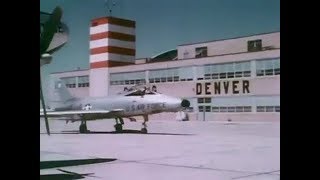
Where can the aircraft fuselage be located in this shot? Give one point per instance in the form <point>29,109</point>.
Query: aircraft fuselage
<point>132,105</point>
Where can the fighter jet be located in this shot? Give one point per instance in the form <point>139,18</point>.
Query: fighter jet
<point>134,102</point>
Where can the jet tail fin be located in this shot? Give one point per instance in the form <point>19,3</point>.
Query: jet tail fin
<point>59,94</point>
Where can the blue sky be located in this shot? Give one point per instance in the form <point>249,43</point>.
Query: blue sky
<point>161,25</point>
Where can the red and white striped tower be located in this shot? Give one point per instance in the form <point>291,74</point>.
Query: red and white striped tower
<point>112,43</point>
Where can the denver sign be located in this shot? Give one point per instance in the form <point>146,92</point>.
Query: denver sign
<point>223,87</point>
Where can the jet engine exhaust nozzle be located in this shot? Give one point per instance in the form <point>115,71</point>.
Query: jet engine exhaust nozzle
<point>185,103</point>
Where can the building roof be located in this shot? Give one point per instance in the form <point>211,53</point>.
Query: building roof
<point>165,56</point>
<point>238,37</point>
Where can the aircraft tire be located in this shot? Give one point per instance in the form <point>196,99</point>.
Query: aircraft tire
<point>118,127</point>
<point>144,130</point>
<point>83,128</point>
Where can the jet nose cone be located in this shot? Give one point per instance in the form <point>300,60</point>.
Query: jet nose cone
<point>185,103</point>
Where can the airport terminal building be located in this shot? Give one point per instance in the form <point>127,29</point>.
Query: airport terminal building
<point>234,79</point>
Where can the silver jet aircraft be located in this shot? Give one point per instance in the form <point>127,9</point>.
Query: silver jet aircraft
<point>135,102</point>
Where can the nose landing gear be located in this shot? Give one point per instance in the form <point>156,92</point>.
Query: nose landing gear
<point>144,124</point>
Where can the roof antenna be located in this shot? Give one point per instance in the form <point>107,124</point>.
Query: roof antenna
<point>109,4</point>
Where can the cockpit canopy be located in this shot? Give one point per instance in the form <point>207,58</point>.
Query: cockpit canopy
<point>140,93</point>
<point>138,90</point>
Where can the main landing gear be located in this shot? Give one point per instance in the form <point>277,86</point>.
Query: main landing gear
<point>83,127</point>
<point>118,125</point>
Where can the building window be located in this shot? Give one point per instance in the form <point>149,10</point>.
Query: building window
<point>71,85</point>
<point>208,108</point>
<point>269,72</point>
<point>255,45</point>
<point>230,75</point>
<point>207,100</point>
<point>201,52</point>
<point>268,67</point>
<point>131,78</point>
<point>184,73</point>
<point>200,108</point>
<point>215,109</point>
<point>239,109</point>
<point>215,76</point>
<point>83,81</point>
<point>207,76</point>
<point>70,82</point>
<point>157,80</point>
<point>200,100</point>
<point>238,74</point>
<point>270,109</point>
<point>204,100</point>
<point>247,109</point>
<point>260,108</point>
<point>231,109</point>
<point>246,73</point>
<point>223,75</point>
<point>260,72</point>
<point>223,109</point>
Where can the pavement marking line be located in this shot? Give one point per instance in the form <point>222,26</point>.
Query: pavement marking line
<point>184,166</point>
<point>258,174</point>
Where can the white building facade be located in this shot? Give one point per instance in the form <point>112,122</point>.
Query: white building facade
<point>234,79</point>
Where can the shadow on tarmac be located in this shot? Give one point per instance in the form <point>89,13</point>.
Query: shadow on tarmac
<point>125,131</point>
<point>65,163</point>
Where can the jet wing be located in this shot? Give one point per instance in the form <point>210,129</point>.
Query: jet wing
<point>87,114</point>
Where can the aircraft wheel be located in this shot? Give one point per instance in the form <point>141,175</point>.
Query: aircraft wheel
<point>144,130</point>
<point>118,127</point>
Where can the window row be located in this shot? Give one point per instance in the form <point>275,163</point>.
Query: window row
<point>252,46</point>
<point>76,82</point>
<point>128,82</point>
<point>225,109</point>
<point>268,67</point>
<point>128,78</point>
<point>214,71</point>
<point>238,109</point>
<point>204,100</point>
<point>225,70</point>
<point>268,108</point>
<point>171,75</point>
